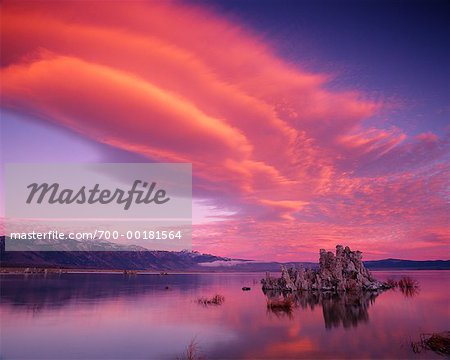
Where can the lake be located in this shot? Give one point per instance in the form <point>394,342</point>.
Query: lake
<point>113,316</point>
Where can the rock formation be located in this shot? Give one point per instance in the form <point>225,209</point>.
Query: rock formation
<point>344,271</point>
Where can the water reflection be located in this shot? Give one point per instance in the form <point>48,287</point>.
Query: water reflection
<point>41,291</point>
<point>36,293</point>
<point>339,309</point>
<point>101,316</point>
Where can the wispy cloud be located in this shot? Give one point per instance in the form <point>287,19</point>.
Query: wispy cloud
<point>266,139</point>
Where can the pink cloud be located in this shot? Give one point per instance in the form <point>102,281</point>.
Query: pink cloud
<point>266,139</point>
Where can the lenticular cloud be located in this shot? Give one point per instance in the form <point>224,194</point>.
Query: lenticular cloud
<point>179,83</point>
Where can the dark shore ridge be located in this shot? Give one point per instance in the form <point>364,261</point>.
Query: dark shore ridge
<point>344,271</point>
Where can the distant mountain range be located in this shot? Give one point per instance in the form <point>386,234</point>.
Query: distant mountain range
<point>385,264</point>
<point>174,261</point>
<point>81,255</point>
<point>398,264</point>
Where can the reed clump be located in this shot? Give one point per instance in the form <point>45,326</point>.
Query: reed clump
<point>215,300</point>
<point>438,342</point>
<point>280,304</point>
<point>192,351</point>
<point>391,283</point>
<point>407,282</point>
<point>409,286</point>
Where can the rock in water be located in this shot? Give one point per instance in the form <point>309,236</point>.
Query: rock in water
<point>344,271</point>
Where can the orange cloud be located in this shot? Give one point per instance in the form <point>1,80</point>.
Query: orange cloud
<point>175,82</point>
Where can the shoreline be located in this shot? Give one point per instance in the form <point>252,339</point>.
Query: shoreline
<point>128,272</point>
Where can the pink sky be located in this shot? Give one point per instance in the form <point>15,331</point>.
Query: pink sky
<point>290,165</point>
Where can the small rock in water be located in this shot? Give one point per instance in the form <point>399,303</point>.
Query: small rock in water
<point>245,288</point>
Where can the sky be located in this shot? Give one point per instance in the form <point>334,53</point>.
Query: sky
<point>308,123</point>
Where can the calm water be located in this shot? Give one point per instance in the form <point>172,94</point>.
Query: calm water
<point>110,316</point>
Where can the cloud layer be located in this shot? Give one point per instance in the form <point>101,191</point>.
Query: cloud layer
<point>266,139</point>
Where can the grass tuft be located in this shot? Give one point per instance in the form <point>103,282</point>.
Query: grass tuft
<point>215,300</point>
<point>438,342</point>
<point>280,304</point>
<point>409,286</point>
<point>192,351</point>
<point>407,282</point>
<point>391,283</point>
